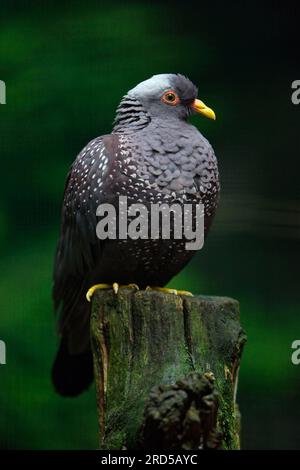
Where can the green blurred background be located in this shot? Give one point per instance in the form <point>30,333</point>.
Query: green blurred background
<point>66,66</point>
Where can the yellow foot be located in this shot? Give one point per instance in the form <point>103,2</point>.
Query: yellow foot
<point>115,286</point>
<point>170,291</point>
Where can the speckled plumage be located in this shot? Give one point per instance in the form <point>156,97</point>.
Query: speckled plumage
<point>153,155</point>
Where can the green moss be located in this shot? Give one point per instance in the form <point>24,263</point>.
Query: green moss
<point>154,338</point>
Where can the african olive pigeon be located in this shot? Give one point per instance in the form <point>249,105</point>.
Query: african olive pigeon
<point>153,155</point>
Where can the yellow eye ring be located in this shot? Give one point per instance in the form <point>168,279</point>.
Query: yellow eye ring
<point>170,97</point>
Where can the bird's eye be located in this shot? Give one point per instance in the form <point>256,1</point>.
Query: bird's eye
<point>170,97</point>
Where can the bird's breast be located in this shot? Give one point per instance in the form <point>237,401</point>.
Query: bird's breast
<point>169,165</point>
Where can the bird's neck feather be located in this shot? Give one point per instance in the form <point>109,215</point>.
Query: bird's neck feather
<point>130,116</point>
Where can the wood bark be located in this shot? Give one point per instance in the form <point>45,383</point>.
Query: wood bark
<point>146,344</point>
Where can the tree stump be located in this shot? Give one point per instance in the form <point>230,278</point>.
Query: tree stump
<point>146,344</point>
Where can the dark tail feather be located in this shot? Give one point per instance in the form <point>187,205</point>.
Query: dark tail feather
<point>72,374</point>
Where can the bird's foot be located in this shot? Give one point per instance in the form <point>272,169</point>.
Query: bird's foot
<point>170,291</point>
<point>115,287</point>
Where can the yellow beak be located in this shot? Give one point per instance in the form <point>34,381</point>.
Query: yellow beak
<point>201,108</point>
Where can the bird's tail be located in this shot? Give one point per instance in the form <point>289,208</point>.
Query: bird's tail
<point>72,374</point>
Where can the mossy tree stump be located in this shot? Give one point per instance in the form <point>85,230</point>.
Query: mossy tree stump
<point>145,339</point>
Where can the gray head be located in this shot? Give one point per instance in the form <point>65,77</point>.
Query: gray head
<point>168,96</point>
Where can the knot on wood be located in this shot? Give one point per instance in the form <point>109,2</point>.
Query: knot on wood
<point>182,415</point>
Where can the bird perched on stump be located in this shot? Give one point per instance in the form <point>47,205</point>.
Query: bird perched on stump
<point>153,156</point>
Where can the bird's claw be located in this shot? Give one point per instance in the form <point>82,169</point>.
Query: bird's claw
<point>185,292</point>
<point>92,290</point>
<point>115,287</point>
<point>170,291</point>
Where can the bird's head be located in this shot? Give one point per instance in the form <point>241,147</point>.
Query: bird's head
<point>170,96</point>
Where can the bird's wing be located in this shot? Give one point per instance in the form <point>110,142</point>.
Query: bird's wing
<point>78,248</point>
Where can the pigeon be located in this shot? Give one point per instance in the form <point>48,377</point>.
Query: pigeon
<point>153,156</point>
